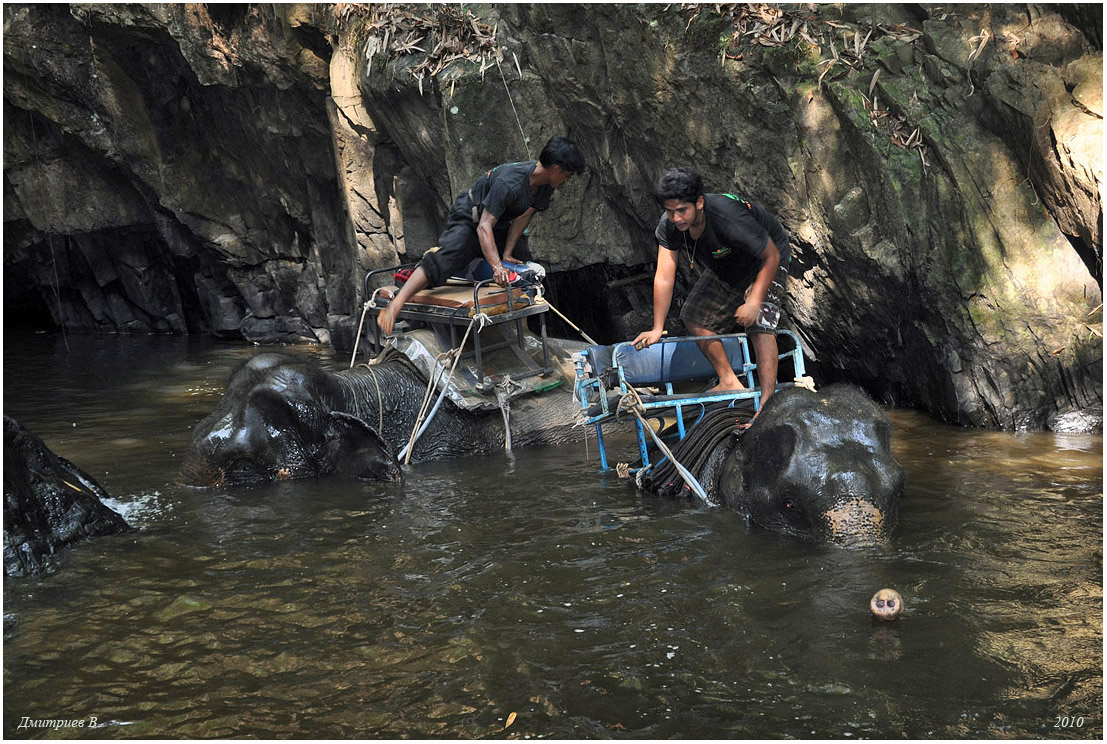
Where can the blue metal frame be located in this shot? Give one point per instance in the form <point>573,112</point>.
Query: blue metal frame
<point>590,389</point>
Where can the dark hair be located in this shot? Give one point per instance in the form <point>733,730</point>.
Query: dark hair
<point>562,151</point>
<point>683,184</point>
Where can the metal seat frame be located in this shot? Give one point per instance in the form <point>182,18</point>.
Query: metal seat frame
<point>446,321</point>
<point>605,387</point>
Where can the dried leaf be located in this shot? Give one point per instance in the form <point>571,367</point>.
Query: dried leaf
<point>984,37</point>
<point>864,43</point>
<point>510,720</point>
<point>872,83</point>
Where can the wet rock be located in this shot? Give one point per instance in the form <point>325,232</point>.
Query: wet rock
<point>49,504</point>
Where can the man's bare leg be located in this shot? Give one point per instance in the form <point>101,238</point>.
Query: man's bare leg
<point>716,355</point>
<point>766,353</point>
<point>386,319</point>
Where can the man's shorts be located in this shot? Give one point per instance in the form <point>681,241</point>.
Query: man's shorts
<point>712,303</point>
<point>458,245</point>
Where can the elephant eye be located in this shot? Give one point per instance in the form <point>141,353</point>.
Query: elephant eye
<point>791,509</point>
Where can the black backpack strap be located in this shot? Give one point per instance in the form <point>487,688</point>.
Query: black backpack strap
<point>739,199</point>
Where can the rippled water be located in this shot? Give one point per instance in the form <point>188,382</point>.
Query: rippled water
<point>529,592</point>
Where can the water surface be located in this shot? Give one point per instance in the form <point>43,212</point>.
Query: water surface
<point>531,590</point>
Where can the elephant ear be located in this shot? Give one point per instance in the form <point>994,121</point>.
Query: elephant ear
<point>767,451</point>
<point>710,475</point>
<point>362,453</point>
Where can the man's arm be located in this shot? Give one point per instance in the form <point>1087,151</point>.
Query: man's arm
<point>518,225</point>
<point>746,314</point>
<point>488,247</point>
<point>663,280</point>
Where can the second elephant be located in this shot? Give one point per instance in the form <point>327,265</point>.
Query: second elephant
<point>283,417</point>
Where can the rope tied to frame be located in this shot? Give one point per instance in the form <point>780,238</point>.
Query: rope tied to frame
<point>370,303</point>
<point>503,399</point>
<point>422,421</point>
<point>632,402</point>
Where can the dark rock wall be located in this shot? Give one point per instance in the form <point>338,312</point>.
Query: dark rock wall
<point>235,169</point>
<point>167,170</point>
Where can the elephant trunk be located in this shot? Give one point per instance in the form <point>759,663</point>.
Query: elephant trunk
<point>854,521</point>
<point>198,472</point>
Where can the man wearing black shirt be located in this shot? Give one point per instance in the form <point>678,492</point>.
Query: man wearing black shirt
<point>740,253</point>
<point>490,216</point>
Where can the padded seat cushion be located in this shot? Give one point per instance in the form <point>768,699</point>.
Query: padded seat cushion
<point>672,362</point>
<point>492,299</point>
<point>599,357</point>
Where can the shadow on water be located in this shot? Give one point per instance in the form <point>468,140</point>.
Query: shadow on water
<point>531,590</point>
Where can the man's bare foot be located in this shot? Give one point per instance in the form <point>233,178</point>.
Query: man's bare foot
<point>728,387</point>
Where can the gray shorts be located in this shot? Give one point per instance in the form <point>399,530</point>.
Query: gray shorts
<point>712,303</point>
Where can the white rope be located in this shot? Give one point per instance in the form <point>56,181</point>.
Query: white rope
<point>635,407</point>
<point>357,339</point>
<point>806,382</point>
<point>421,423</point>
<point>423,418</point>
<point>503,399</point>
<point>370,303</point>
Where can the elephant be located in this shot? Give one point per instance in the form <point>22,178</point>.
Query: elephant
<point>818,466</point>
<point>49,503</point>
<point>283,417</point>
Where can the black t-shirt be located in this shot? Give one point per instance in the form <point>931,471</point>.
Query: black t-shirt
<point>504,192</point>
<point>733,239</point>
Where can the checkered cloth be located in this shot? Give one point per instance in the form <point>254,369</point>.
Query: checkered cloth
<point>712,303</point>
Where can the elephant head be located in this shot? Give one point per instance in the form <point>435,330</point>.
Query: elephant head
<point>282,419</point>
<point>817,465</point>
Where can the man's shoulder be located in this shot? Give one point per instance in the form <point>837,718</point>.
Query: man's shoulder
<point>515,173</point>
<point>666,232</point>
<point>725,205</point>
<point>728,214</point>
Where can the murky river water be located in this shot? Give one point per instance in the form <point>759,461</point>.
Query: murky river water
<point>529,597</point>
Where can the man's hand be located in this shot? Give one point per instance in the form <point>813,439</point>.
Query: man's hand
<point>647,339</point>
<point>501,275</point>
<point>746,314</point>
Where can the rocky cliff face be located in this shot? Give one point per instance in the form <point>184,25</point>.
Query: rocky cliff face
<point>235,169</point>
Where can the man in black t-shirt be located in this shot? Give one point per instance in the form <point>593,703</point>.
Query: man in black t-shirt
<point>489,217</point>
<point>740,253</point>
